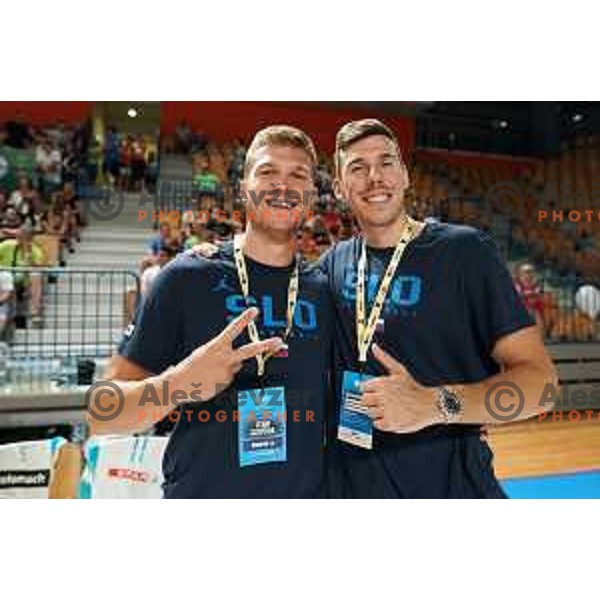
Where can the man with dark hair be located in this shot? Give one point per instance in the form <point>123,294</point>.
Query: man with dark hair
<point>165,254</point>
<point>430,332</point>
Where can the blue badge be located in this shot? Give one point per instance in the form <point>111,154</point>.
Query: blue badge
<point>262,429</point>
<point>356,425</point>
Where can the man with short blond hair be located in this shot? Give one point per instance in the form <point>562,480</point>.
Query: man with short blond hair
<point>190,334</point>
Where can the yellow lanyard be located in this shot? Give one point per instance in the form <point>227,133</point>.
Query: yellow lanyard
<point>292,298</point>
<point>364,329</point>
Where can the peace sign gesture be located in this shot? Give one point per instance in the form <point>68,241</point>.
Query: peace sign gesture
<point>212,367</point>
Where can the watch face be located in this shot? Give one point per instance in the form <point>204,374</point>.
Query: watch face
<point>452,403</point>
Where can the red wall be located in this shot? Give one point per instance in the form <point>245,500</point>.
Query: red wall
<point>223,121</point>
<point>45,113</point>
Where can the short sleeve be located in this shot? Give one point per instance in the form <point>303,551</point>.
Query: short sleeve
<point>152,340</point>
<point>496,309</point>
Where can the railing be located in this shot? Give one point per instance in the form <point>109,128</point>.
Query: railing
<point>63,323</point>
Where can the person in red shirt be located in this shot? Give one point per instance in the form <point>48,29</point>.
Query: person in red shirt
<point>531,291</point>
<point>125,165</point>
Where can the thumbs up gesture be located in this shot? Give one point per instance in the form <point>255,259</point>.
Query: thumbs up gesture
<point>215,364</point>
<point>397,402</point>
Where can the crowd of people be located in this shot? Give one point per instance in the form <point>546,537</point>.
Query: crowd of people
<point>38,197</point>
<point>43,196</point>
<point>127,161</point>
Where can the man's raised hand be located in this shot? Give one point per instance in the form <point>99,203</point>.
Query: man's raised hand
<point>212,367</point>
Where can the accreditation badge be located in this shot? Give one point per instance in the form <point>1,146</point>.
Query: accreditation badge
<point>262,429</point>
<point>356,425</point>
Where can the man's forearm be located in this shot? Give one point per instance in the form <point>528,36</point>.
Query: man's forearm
<point>513,395</point>
<point>137,414</point>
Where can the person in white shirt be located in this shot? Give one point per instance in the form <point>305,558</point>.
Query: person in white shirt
<point>7,295</point>
<point>48,160</point>
<point>24,200</point>
<point>149,274</point>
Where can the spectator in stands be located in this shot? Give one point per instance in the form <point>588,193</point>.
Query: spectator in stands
<point>221,228</point>
<point>60,220</point>
<point>72,203</point>
<point>235,172</point>
<point>53,219</point>
<point>57,134</point>
<point>11,223</point>
<point>23,252</point>
<point>112,155</point>
<point>48,162</point>
<point>162,238</point>
<point>138,164</point>
<point>531,291</point>
<point>165,254</point>
<point>207,183</point>
<point>125,157</point>
<point>195,234</point>
<point>7,299</point>
<point>25,201</point>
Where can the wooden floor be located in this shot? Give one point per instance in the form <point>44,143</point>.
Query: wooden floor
<point>533,449</point>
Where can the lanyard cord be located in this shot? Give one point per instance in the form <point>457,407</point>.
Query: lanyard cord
<point>365,329</point>
<point>292,299</point>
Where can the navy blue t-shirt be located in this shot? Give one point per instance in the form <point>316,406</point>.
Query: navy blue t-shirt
<point>191,302</point>
<point>451,300</point>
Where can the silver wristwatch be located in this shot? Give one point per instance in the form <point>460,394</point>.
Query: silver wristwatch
<point>450,405</point>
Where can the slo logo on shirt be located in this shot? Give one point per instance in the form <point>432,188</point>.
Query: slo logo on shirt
<point>305,316</point>
<point>405,291</point>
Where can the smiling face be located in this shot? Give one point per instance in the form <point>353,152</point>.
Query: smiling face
<point>373,179</point>
<point>278,187</point>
